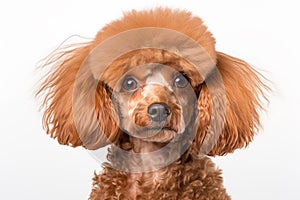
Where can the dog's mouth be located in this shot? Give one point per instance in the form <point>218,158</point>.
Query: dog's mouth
<point>158,129</point>
<point>157,134</point>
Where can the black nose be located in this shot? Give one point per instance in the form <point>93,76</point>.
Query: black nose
<point>159,112</point>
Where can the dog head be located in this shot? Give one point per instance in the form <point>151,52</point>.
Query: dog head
<point>153,94</point>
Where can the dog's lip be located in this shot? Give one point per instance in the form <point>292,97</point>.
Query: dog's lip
<point>150,132</point>
<point>162,128</point>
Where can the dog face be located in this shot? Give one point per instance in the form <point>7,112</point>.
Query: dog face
<point>154,102</point>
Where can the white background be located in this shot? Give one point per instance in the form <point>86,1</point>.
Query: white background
<point>264,33</point>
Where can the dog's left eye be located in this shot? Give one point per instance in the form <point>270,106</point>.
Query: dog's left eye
<point>129,84</point>
<point>180,81</point>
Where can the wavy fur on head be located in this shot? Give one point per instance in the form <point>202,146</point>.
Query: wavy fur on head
<point>189,177</point>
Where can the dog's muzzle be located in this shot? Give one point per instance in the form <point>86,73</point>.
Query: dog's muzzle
<point>159,112</point>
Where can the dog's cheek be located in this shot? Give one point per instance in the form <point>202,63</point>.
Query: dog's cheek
<point>177,117</point>
<point>117,103</point>
<point>187,105</point>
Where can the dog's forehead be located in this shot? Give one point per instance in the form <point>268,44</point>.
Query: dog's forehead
<point>160,75</point>
<point>153,74</point>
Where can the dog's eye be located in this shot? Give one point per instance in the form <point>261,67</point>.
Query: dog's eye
<point>180,81</point>
<point>129,84</point>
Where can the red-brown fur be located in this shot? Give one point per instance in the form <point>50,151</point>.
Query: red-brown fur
<point>190,177</point>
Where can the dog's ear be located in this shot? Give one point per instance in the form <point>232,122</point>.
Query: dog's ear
<point>73,114</point>
<point>233,123</point>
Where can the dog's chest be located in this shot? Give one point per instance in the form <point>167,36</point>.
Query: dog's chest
<point>139,183</point>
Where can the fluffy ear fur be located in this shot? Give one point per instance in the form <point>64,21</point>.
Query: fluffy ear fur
<point>91,124</point>
<point>244,88</point>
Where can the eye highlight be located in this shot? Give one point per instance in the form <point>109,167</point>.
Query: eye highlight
<point>180,81</point>
<point>129,84</point>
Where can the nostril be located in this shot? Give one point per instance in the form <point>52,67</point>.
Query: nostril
<point>152,110</point>
<point>167,110</point>
<point>159,112</point>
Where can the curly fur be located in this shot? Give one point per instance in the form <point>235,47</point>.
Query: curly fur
<point>191,176</point>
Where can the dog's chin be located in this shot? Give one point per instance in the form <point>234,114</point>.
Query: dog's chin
<point>163,135</point>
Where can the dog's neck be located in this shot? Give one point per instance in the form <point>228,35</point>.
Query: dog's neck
<point>133,154</point>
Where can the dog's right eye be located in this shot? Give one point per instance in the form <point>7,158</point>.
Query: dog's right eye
<point>129,84</point>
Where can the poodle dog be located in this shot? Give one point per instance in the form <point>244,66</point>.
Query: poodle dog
<point>152,87</point>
